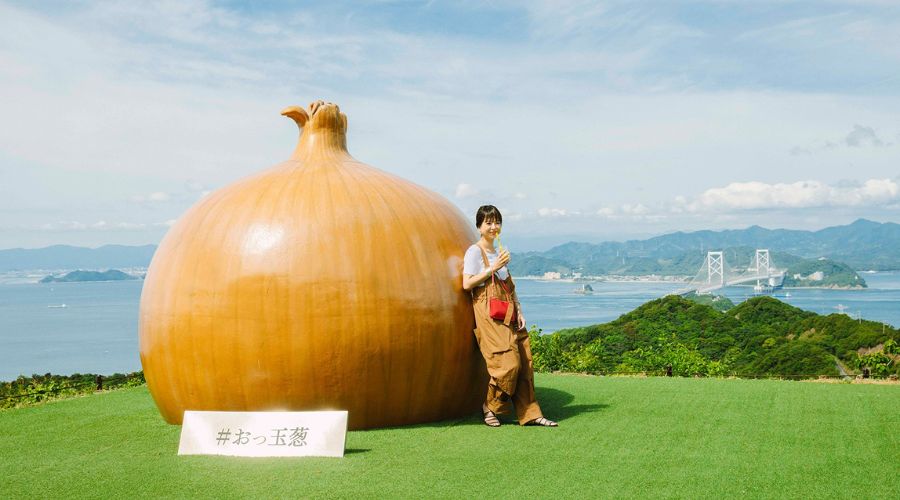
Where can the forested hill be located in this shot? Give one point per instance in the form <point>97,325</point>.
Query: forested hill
<point>861,245</point>
<point>759,337</point>
<point>110,275</point>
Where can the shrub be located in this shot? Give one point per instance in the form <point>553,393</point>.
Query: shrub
<point>25,391</point>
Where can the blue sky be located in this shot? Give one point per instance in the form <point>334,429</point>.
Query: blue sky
<point>581,120</point>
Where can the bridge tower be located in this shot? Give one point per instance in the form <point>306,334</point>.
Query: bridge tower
<point>762,261</point>
<point>715,265</point>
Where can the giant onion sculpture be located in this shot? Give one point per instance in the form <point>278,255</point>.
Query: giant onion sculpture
<point>320,283</point>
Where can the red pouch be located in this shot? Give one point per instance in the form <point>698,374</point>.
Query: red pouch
<point>499,308</point>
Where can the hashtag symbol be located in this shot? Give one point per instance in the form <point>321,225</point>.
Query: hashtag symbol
<point>224,434</point>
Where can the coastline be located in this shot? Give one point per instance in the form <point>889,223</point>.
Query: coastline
<point>34,276</point>
<point>97,331</point>
<point>848,288</point>
<point>656,279</point>
<point>608,279</point>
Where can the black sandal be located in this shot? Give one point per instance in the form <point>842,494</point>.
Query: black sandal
<point>543,422</point>
<point>490,418</point>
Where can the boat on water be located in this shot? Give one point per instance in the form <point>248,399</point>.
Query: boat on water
<point>59,306</point>
<point>584,289</point>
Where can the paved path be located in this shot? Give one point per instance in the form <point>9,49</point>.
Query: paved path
<point>841,370</point>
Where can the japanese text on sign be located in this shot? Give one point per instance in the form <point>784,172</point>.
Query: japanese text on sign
<point>264,434</point>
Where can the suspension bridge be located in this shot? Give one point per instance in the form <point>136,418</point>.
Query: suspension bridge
<point>715,274</point>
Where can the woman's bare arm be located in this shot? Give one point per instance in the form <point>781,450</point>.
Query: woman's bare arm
<point>470,281</point>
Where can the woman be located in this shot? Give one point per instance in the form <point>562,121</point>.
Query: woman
<point>503,343</point>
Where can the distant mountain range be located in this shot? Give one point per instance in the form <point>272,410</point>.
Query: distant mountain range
<point>862,245</point>
<point>69,257</point>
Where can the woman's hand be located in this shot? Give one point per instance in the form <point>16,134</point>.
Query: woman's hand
<point>522,324</point>
<point>501,261</point>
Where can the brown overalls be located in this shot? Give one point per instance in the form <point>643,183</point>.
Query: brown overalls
<point>507,353</point>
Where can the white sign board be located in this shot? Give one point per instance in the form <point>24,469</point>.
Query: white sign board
<point>264,433</point>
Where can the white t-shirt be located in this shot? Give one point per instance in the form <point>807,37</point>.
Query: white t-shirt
<point>474,264</point>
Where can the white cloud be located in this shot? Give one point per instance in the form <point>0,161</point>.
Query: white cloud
<point>552,212</point>
<point>863,136</point>
<point>130,225</point>
<point>803,194</point>
<point>183,98</point>
<point>63,226</point>
<point>194,186</point>
<point>637,212</point>
<point>797,30</point>
<point>634,209</point>
<point>464,190</point>
<point>156,197</point>
<point>564,16</point>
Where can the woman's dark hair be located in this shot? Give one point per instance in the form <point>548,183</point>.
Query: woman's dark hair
<point>489,213</point>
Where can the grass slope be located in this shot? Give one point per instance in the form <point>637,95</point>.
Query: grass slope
<point>631,437</point>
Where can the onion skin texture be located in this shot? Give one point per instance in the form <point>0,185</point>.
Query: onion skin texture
<point>320,283</point>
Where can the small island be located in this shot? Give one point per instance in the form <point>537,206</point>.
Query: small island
<point>78,276</point>
<point>823,273</point>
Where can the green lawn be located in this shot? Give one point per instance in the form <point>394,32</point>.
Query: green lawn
<point>618,437</point>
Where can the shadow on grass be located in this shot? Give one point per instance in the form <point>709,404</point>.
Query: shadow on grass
<point>556,404</point>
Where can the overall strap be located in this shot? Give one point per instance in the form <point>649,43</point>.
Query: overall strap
<point>487,264</point>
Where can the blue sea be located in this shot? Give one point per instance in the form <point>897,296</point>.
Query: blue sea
<point>97,330</point>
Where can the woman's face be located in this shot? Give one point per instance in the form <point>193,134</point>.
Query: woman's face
<point>489,229</point>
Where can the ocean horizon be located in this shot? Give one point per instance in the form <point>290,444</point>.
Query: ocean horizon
<point>97,330</point>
